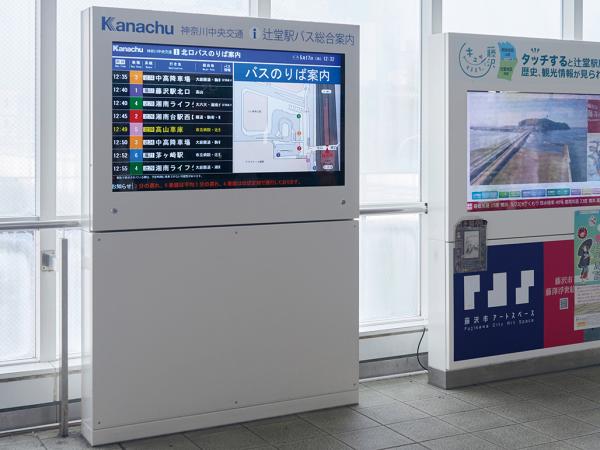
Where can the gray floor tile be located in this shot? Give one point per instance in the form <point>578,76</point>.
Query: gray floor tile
<point>425,429</point>
<point>228,437</point>
<point>558,445</point>
<point>386,383</point>
<point>562,427</point>
<point>514,436</point>
<point>284,432</point>
<point>338,420</point>
<point>173,441</point>
<point>589,373</point>
<point>524,388</point>
<point>482,396</point>
<point>370,397</point>
<point>476,420</point>
<point>269,420</point>
<point>20,441</point>
<point>589,393</point>
<point>410,447</point>
<point>77,442</point>
<point>565,380</point>
<point>418,378</point>
<point>263,447</point>
<point>460,442</point>
<point>588,442</point>
<point>373,438</point>
<point>438,406</point>
<point>564,402</point>
<point>591,416</point>
<point>522,411</point>
<point>413,391</point>
<point>319,443</point>
<point>46,434</point>
<point>392,413</point>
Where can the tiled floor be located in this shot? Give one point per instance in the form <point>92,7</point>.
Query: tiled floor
<point>558,411</point>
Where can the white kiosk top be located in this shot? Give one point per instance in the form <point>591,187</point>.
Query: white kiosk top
<point>196,120</point>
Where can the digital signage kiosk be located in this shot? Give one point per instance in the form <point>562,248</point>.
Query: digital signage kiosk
<point>512,183</point>
<point>220,247</point>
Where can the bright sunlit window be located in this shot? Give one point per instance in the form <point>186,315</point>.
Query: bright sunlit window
<point>591,16</point>
<point>389,144</point>
<point>390,131</point>
<point>529,18</point>
<point>18,324</point>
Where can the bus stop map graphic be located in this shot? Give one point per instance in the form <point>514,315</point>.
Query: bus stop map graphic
<point>286,127</point>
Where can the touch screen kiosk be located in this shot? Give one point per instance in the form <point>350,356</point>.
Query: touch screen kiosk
<point>221,247</point>
<point>512,181</point>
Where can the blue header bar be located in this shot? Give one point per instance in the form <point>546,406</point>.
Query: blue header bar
<point>279,73</point>
<point>163,65</point>
<point>193,53</point>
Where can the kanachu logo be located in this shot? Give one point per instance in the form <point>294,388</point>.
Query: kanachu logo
<point>476,62</point>
<point>112,24</point>
<point>498,295</point>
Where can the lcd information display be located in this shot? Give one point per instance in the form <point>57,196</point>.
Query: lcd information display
<point>530,150</point>
<point>218,118</point>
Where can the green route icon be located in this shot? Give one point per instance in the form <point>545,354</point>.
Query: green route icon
<point>508,60</point>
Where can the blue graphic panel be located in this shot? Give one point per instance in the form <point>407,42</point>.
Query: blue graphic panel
<point>493,313</point>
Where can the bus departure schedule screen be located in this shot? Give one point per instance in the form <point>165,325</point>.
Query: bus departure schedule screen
<point>186,117</point>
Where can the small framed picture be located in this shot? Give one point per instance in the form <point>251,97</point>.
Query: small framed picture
<point>470,246</point>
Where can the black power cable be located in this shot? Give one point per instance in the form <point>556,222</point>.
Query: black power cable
<point>418,347</point>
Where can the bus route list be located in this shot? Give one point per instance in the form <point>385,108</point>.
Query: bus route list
<point>171,123</point>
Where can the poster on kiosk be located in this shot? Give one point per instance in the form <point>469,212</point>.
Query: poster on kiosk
<point>513,188</point>
<point>220,243</point>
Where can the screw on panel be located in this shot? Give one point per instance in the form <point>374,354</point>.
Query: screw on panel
<point>114,210</point>
<point>343,202</point>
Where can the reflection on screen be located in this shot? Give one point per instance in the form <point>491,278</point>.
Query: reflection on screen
<point>531,150</point>
<point>186,117</point>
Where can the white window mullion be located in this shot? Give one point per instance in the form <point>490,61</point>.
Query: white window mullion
<point>260,8</point>
<point>46,176</point>
<point>572,19</point>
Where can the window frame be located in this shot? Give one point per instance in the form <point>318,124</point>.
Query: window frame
<point>46,224</point>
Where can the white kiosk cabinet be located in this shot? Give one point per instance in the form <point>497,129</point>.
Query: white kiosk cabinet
<point>221,247</point>
<point>512,182</point>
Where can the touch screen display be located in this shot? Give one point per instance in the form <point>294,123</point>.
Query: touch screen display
<point>529,150</point>
<point>188,117</point>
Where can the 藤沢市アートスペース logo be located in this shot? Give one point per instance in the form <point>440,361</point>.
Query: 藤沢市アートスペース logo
<point>476,61</point>
<point>112,24</point>
<point>498,295</point>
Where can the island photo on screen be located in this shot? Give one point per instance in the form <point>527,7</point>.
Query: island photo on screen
<point>526,138</point>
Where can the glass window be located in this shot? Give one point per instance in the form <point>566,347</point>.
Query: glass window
<point>68,153</point>
<point>17,296</point>
<point>17,110</point>
<point>389,144</point>
<point>389,268</point>
<point>530,18</point>
<point>591,14</point>
<point>389,81</point>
